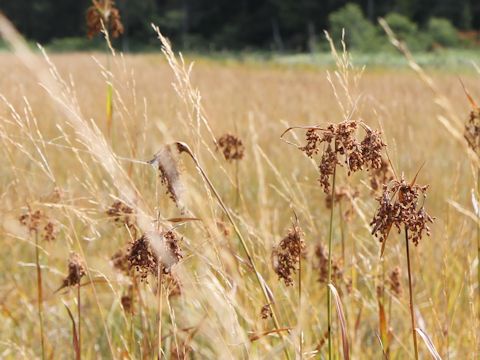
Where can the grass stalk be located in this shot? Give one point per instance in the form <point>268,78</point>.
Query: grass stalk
<point>478,246</point>
<point>410,293</point>
<point>79,310</point>
<point>159,308</point>
<point>300,305</point>
<point>329,295</point>
<point>39,294</point>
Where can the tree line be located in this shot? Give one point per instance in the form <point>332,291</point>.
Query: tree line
<point>244,24</point>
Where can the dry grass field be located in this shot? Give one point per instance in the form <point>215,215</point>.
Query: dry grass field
<point>63,166</point>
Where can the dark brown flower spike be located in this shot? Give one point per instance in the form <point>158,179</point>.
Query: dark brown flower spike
<point>122,214</point>
<point>395,283</point>
<point>231,146</point>
<point>36,221</point>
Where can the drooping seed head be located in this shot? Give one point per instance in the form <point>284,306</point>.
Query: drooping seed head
<point>286,255</point>
<point>76,270</point>
<point>106,12</point>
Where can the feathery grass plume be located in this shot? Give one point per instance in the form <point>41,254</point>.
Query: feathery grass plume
<point>103,11</point>
<point>286,255</point>
<point>231,146</point>
<point>394,281</point>
<point>167,161</point>
<point>399,206</point>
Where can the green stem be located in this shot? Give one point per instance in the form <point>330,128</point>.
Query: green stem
<point>40,293</point>
<point>329,295</point>
<point>410,291</point>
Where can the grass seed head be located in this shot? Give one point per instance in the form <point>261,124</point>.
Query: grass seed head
<point>286,256</point>
<point>76,270</point>
<point>394,281</point>
<point>472,131</point>
<point>231,146</point>
<point>399,206</point>
<point>122,214</point>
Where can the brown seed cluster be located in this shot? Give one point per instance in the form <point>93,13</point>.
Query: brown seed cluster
<point>142,258</point>
<point>76,270</point>
<point>122,214</point>
<point>231,146</point>
<point>39,223</point>
<point>399,205</point>
<point>266,312</point>
<point>106,12</point>
<point>173,245</point>
<point>286,256</point>
<point>472,131</point>
<point>337,268</point>
<point>340,143</point>
<point>394,281</point>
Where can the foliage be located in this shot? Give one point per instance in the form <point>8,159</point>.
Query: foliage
<point>442,32</point>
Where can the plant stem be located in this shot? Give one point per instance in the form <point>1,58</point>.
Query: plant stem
<point>39,293</point>
<point>329,295</point>
<point>478,245</point>
<point>159,310</point>
<point>300,303</point>
<point>410,291</point>
<point>79,309</point>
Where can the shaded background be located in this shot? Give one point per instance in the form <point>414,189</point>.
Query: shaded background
<point>282,25</point>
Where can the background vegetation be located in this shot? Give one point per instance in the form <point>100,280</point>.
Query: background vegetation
<point>282,25</point>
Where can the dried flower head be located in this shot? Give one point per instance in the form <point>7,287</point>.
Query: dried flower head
<point>341,147</point>
<point>337,269</point>
<point>76,270</point>
<point>145,260</point>
<point>472,131</point>
<point>231,146</point>
<point>142,258</point>
<point>39,223</point>
<point>394,281</point>
<point>122,214</point>
<point>286,256</point>
<point>106,12</point>
<point>399,205</point>
<point>266,311</point>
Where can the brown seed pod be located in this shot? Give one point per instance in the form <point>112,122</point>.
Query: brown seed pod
<point>76,270</point>
<point>286,256</point>
<point>106,12</point>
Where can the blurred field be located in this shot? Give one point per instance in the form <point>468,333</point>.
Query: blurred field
<point>41,152</point>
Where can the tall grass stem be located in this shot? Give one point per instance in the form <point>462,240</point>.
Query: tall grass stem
<point>329,296</point>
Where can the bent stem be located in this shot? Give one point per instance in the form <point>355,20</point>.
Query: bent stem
<point>184,147</point>
<point>329,295</point>
<point>39,293</point>
<point>412,316</point>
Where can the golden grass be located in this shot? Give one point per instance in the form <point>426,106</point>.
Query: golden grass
<point>218,313</point>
